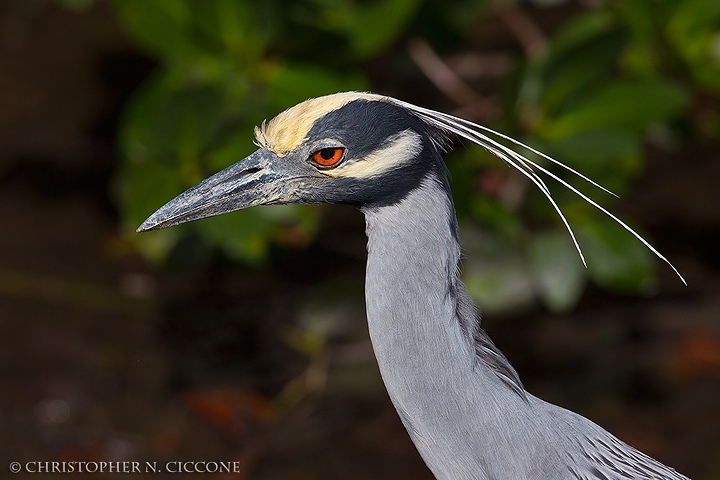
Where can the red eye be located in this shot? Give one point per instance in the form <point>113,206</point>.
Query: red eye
<point>328,157</point>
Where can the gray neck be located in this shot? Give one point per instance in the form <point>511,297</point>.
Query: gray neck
<point>412,259</point>
<point>460,400</point>
<point>424,331</point>
<point>414,297</point>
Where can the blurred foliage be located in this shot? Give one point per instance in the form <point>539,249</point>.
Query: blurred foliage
<point>612,78</point>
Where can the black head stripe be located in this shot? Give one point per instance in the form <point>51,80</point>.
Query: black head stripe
<point>364,125</point>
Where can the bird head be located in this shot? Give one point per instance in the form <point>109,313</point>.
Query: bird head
<point>349,148</point>
<point>360,149</point>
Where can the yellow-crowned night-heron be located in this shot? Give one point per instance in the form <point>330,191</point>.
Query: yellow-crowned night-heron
<point>457,395</point>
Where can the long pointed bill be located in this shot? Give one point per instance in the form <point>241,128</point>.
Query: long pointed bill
<point>255,180</point>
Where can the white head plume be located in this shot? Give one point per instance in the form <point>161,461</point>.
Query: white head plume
<point>491,141</point>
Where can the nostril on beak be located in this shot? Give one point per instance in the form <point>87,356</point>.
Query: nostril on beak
<point>241,174</point>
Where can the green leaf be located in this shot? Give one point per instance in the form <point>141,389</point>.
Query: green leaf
<point>583,29</point>
<point>556,269</point>
<point>641,18</point>
<point>579,69</point>
<point>495,271</point>
<point>641,59</point>
<point>168,119</point>
<point>599,152</point>
<point>234,27</point>
<point>693,31</point>
<point>370,27</point>
<point>144,188</point>
<point>290,84</point>
<point>616,260</point>
<point>236,146</point>
<point>624,105</point>
<point>248,234</point>
<point>244,234</point>
<point>501,287</point>
<point>490,212</point>
<point>160,27</point>
<point>643,52</point>
<point>140,190</point>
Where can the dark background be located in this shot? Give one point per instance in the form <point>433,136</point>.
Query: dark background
<point>106,357</point>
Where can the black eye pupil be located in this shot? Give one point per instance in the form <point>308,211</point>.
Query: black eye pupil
<point>327,153</point>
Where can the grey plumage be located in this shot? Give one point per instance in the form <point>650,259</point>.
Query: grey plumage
<point>460,399</point>
<point>427,339</point>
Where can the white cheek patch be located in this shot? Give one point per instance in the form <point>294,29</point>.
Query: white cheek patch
<point>398,150</point>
